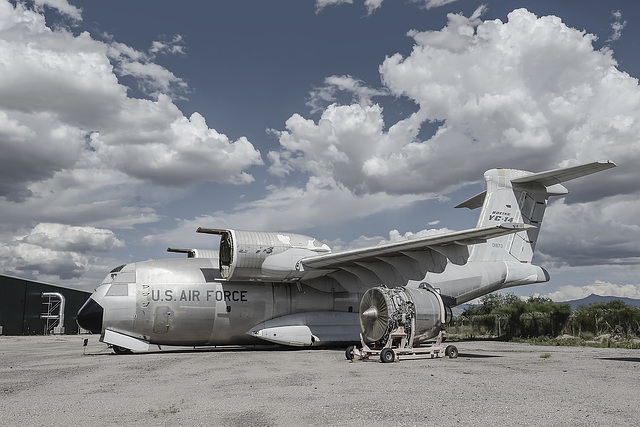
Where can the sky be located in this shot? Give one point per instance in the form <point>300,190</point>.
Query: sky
<point>125,126</point>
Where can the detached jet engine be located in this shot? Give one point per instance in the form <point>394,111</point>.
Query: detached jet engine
<point>398,320</point>
<point>420,311</point>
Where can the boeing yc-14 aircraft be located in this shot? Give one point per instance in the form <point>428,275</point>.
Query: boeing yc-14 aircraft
<point>285,288</point>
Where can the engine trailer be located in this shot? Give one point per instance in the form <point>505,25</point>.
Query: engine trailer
<point>399,347</point>
<point>402,323</point>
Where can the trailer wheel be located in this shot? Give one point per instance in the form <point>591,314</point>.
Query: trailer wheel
<point>349,354</point>
<point>387,355</point>
<point>451,351</point>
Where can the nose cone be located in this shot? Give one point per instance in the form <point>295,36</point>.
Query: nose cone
<point>371,314</point>
<point>90,316</point>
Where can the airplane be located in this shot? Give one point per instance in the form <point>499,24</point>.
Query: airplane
<point>284,288</point>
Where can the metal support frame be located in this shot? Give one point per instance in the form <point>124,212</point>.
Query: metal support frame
<point>54,323</point>
<point>399,346</point>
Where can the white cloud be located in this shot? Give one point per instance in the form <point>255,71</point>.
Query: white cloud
<point>152,79</point>
<point>430,4</point>
<point>56,250</point>
<point>171,47</point>
<point>77,149</point>
<point>350,144</point>
<point>60,237</point>
<point>617,26</point>
<point>321,202</point>
<point>393,236</point>
<point>373,5</point>
<point>570,293</point>
<point>321,4</point>
<point>172,150</point>
<point>602,232</point>
<point>322,96</point>
<point>57,88</point>
<point>529,93</point>
<point>63,7</point>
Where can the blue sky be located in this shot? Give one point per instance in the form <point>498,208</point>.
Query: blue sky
<point>126,125</point>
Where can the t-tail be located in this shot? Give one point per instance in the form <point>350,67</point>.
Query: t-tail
<point>515,196</point>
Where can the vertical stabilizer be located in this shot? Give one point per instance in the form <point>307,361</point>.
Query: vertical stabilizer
<point>515,196</point>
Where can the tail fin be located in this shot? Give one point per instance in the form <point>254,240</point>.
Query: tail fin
<point>515,196</point>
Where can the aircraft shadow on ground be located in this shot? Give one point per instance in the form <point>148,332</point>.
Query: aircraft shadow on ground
<point>622,359</point>
<point>183,350</point>
<point>477,356</point>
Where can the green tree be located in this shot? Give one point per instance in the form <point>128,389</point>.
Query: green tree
<point>614,317</point>
<point>534,316</point>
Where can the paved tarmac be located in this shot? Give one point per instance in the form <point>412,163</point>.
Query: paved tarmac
<point>49,381</point>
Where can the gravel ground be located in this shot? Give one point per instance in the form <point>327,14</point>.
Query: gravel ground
<point>48,381</point>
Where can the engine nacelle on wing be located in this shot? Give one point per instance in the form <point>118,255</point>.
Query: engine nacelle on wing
<point>383,310</point>
<point>262,255</point>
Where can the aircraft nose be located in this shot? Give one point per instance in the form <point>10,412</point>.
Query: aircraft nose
<point>90,316</point>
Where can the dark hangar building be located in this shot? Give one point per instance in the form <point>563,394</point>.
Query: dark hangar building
<point>34,308</point>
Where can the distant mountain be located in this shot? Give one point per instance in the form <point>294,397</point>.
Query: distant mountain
<point>599,299</point>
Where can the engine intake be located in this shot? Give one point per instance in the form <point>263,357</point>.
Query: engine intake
<point>419,310</point>
<point>262,255</point>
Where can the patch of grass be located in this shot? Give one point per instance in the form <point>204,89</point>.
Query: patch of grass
<point>173,409</point>
<point>545,355</point>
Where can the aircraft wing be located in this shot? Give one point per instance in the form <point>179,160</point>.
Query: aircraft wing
<point>395,263</point>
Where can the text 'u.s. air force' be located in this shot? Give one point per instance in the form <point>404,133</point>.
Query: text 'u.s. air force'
<point>195,295</point>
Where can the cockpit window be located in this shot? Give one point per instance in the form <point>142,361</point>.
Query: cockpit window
<point>118,290</point>
<point>118,268</point>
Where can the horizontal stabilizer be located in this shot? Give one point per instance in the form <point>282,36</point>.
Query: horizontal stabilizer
<point>474,202</point>
<point>558,176</point>
<point>548,179</point>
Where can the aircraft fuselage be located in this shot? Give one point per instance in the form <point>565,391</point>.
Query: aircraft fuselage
<point>184,302</point>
